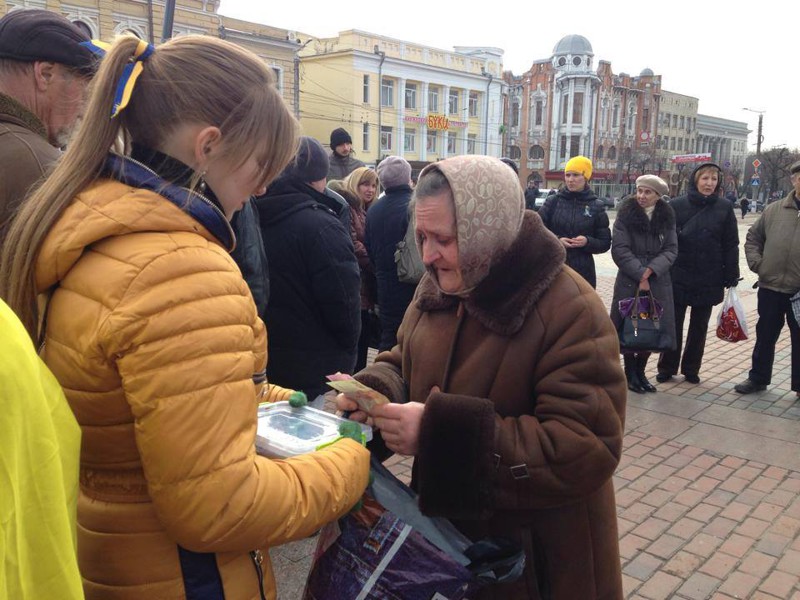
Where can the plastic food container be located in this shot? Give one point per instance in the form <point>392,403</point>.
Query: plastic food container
<point>284,431</point>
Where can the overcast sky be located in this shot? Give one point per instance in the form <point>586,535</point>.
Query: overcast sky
<point>729,55</point>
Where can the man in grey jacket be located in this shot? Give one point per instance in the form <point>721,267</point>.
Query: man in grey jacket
<point>44,72</point>
<point>773,252</point>
<point>341,160</point>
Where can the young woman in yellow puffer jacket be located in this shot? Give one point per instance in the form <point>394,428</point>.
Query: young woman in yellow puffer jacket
<point>152,332</point>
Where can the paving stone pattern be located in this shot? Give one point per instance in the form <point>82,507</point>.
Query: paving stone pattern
<point>708,488</point>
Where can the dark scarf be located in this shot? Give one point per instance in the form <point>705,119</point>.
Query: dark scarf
<point>633,215</point>
<point>585,195</point>
<point>170,169</point>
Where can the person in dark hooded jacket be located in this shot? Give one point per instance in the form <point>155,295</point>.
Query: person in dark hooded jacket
<point>314,307</point>
<point>707,263</point>
<point>578,218</point>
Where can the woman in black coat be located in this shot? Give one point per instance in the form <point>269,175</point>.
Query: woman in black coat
<point>707,263</point>
<point>644,246</point>
<point>578,218</point>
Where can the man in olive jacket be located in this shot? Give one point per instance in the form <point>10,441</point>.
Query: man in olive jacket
<point>772,249</point>
<point>44,72</point>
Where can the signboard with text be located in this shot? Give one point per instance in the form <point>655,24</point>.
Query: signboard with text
<point>691,158</point>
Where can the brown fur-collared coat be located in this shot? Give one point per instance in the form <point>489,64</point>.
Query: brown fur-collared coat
<point>527,430</point>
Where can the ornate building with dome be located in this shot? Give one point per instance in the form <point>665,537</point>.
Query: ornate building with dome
<point>569,104</point>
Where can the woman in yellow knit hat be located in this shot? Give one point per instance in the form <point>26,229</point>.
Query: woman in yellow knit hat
<point>578,218</point>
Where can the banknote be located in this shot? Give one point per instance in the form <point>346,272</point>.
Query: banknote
<point>364,396</point>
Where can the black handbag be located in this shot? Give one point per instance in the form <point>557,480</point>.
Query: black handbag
<point>642,330</point>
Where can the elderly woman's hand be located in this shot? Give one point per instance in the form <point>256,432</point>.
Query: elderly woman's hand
<point>345,404</point>
<point>579,242</point>
<point>399,425</point>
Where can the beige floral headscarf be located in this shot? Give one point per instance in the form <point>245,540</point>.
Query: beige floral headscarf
<point>489,206</point>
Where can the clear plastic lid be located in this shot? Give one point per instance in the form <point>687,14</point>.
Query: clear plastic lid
<point>284,431</point>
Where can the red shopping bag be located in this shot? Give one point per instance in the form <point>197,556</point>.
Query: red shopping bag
<point>731,323</point>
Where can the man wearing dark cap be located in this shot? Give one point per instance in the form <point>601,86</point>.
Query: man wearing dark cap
<point>44,72</point>
<point>314,311</point>
<point>772,249</point>
<point>387,221</point>
<point>342,161</point>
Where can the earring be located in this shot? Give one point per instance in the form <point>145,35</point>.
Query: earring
<point>201,185</point>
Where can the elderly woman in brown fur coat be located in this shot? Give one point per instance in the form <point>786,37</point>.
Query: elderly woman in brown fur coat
<point>644,245</point>
<point>506,385</point>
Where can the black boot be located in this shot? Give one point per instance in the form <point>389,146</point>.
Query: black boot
<point>641,365</point>
<point>631,374</point>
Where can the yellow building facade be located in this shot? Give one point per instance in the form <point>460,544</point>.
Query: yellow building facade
<point>400,98</point>
<point>105,19</point>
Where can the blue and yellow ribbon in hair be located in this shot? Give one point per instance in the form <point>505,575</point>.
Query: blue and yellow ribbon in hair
<point>130,73</point>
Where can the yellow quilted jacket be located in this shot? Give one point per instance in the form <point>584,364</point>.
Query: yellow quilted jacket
<point>154,336</point>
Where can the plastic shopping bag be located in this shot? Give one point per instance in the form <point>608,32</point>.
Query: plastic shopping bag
<point>731,323</point>
<point>377,552</point>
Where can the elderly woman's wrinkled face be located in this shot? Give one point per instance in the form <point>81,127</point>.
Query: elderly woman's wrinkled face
<point>646,197</point>
<point>707,182</point>
<point>575,181</point>
<point>436,230</point>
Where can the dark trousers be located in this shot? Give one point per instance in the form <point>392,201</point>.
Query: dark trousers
<point>774,308</point>
<point>363,340</point>
<point>695,342</point>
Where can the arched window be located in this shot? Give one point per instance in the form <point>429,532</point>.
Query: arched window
<point>626,154</point>
<point>514,153</point>
<point>535,177</point>
<point>536,152</point>
<point>612,153</point>
<point>600,151</point>
<point>515,113</point>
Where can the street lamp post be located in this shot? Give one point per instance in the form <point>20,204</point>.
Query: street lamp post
<point>759,139</point>
<point>490,77</point>
<point>382,55</point>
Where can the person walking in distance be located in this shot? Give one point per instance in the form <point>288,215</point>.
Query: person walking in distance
<point>772,248</point>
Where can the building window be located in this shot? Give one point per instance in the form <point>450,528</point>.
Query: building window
<point>536,153</point>
<point>612,153</point>
<point>564,107</point>
<point>386,138</point>
<point>563,147</point>
<point>430,142</point>
<point>631,117</point>
<point>387,92</point>
<point>672,143</point>
<point>680,144</point>
<point>646,118</point>
<point>683,122</point>
<point>574,145</point>
<point>473,104</point>
<point>600,152</point>
<point>410,140</point>
<point>366,89</point>
<point>626,154</point>
<point>277,72</point>
<point>577,108</point>
<point>665,120</point>
<point>604,114</point>
<point>538,112</point>
<point>515,113</point>
<point>433,99</point>
<point>514,153</point>
<point>411,95</point>
<point>675,121</point>
<point>576,61</point>
<point>452,102</point>
<point>451,142</point>
<point>472,140</point>
<point>615,117</point>
<point>365,136</point>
